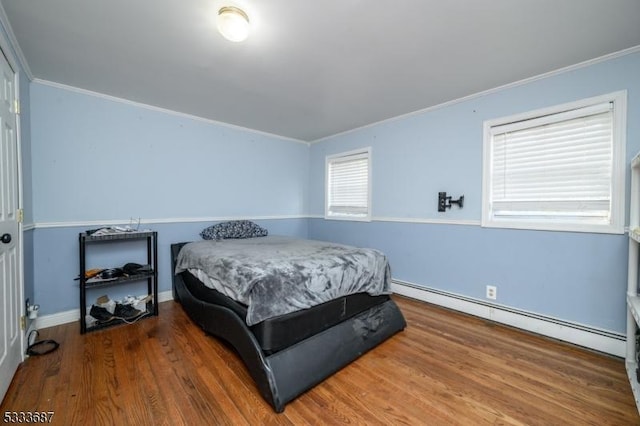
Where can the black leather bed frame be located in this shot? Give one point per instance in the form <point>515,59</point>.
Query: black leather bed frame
<point>290,354</point>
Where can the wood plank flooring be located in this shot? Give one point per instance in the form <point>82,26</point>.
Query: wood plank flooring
<point>446,368</point>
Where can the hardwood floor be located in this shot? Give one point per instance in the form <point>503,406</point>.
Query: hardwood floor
<point>445,368</point>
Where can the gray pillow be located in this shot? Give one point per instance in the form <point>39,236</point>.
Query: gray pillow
<point>233,229</point>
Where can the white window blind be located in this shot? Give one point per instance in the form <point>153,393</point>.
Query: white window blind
<point>348,185</point>
<point>556,168</point>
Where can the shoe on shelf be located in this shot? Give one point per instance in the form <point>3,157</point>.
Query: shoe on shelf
<point>100,314</point>
<point>105,302</point>
<point>134,300</point>
<point>126,312</point>
<point>144,299</point>
<point>102,300</point>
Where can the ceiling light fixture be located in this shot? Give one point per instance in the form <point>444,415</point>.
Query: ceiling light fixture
<point>233,23</point>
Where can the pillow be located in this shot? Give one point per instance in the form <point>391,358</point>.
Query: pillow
<point>233,229</point>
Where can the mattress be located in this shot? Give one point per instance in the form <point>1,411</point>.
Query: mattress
<point>279,332</point>
<point>277,275</point>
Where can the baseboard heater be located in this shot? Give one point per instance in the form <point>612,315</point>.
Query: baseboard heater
<point>593,338</point>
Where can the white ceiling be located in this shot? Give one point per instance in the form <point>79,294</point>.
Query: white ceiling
<point>311,69</point>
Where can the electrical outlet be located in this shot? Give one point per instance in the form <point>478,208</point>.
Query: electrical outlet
<point>492,292</point>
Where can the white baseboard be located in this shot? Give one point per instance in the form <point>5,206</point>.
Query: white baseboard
<point>582,335</point>
<point>74,314</point>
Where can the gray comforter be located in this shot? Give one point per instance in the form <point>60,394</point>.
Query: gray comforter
<point>277,275</point>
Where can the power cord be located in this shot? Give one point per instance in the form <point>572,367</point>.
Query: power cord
<point>41,347</point>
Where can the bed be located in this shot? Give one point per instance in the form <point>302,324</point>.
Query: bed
<point>296,311</point>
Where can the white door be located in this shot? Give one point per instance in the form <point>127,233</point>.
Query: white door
<point>11,336</point>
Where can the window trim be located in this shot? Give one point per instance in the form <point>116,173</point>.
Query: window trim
<point>343,216</point>
<point>618,195</point>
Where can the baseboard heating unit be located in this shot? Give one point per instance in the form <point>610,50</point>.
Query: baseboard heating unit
<point>578,334</point>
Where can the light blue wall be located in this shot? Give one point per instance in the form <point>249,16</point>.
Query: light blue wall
<point>577,277</point>
<point>96,159</point>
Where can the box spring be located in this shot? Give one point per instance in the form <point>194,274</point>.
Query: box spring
<point>280,332</point>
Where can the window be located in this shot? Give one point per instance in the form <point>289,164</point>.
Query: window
<point>348,185</point>
<point>560,168</point>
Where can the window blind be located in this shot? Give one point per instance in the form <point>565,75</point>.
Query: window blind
<point>348,185</point>
<point>558,165</point>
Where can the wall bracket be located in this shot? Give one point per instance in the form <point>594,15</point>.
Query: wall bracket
<point>445,202</point>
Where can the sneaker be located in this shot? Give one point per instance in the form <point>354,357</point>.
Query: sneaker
<point>145,299</point>
<point>126,312</point>
<point>100,314</point>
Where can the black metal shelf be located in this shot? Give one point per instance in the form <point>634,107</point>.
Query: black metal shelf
<point>150,277</point>
<point>95,283</point>
<point>117,321</point>
<point>133,235</point>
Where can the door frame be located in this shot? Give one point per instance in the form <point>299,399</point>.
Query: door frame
<point>6,49</point>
